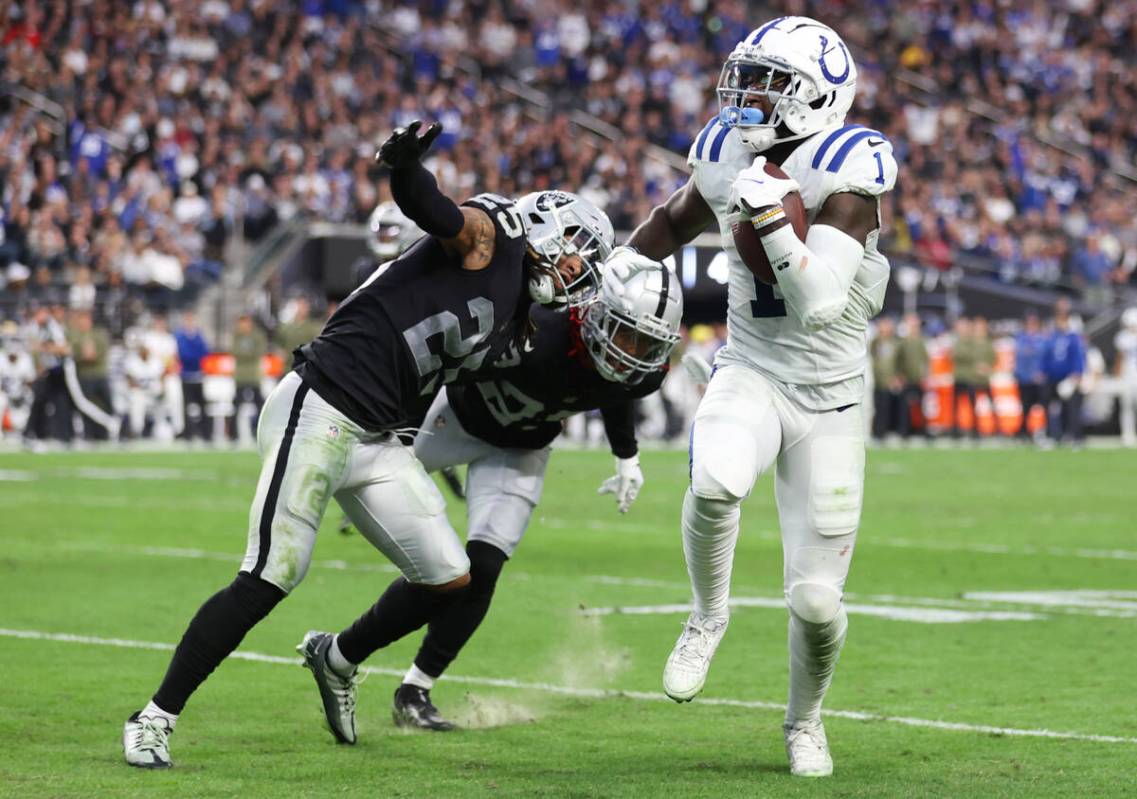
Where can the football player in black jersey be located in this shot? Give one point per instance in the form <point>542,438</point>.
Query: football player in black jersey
<point>602,356</point>
<point>389,234</point>
<point>330,429</point>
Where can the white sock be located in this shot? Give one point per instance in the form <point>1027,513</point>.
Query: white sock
<point>340,665</point>
<point>813,657</point>
<point>154,711</point>
<point>710,531</point>
<point>416,676</point>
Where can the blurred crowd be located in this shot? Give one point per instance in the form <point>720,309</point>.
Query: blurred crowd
<point>184,124</point>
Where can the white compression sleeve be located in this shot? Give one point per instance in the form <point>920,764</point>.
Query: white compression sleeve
<point>814,275</point>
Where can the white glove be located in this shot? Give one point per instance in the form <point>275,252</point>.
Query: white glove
<point>1067,387</point>
<point>754,189</point>
<point>697,369</point>
<point>626,483</point>
<point>622,263</point>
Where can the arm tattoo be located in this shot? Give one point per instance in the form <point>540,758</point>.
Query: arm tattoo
<point>474,245</point>
<point>482,237</point>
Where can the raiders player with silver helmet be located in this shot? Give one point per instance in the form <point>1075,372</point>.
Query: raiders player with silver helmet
<point>602,355</point>
<point>560,224</point>
<point>330,428</point>
<point>787,391</point>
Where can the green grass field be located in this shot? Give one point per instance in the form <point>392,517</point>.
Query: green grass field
<point>991,647</point>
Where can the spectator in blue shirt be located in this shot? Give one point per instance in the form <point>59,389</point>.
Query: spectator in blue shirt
<point>1063,362</point>
<point>1030,343</point>
<point>191,350</point>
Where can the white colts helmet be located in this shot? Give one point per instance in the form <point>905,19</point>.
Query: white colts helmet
<point>805,70</point>
<point>390,232</point>
<point>559,224</point>
<point>632,325</point>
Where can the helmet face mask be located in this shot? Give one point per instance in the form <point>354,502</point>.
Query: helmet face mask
<point>632,325</point>
<point>622,349</point>
<point>567,238</point>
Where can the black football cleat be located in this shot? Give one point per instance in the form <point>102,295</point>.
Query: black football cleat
<point>413,708</point>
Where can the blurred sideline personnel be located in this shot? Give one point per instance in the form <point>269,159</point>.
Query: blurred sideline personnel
<point>789,384</point>
<point>90,345</point>
<point>973,360</point>
<point>192,349</point>
<point>602,355</point>
<point>56,391</point>
<point>249,347</point>
<point>329,429</point>
<point>17,374</point>
<point>1064,363</point>
<point>886,383</point>
<point>911,369</point>
<point>1030,342</point>
<point>1126,370</point>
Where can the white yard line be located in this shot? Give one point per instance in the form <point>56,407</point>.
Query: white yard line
<point>598,693</point>
<point>975,606</point>
<point>921,615</point>
<point>870,541</point>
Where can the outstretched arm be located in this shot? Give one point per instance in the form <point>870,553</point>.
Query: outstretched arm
<point>464,232</point>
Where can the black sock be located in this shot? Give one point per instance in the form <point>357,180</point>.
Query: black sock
<point>216,630</point>
<point>451,629</point>
<point>403,608</point>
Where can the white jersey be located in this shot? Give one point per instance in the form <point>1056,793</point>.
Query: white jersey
<point>145,373</point>
<point>824,368</point>
<point>1126,344</point>
<point>17,371</point>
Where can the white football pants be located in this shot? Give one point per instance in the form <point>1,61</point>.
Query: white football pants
<point>745,424</point>
<point>311,452</point>
<point>502,485</point>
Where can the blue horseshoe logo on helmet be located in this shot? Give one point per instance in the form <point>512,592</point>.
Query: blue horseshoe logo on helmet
<point>825,50</point>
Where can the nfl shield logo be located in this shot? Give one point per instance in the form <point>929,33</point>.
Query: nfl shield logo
<point>333,431</point>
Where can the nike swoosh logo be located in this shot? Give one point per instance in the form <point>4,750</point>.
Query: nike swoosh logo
<point>876,143</point>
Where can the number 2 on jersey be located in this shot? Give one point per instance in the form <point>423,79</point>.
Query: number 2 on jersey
<point>766,305</point>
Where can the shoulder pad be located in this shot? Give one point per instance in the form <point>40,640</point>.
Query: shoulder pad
<point>714,143</point>
<point>506,218</point>
<point>851,158</point>
<point>489,202</point>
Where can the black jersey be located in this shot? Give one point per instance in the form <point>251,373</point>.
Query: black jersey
<point>520,399</point>
<point>417,324</point>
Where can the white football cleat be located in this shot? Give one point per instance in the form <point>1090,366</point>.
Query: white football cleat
<point>145,741</point>
<point>808,749</point>
<point>686,669</point>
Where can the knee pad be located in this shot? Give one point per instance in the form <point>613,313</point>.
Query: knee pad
<point>814,603</point>
<point>486,562</point>
<point>713,512</point>
<point>815,580</point>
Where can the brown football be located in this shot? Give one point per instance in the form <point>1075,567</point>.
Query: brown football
<point>746,240</point>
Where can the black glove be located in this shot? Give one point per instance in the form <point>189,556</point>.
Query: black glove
<point>404,147</point>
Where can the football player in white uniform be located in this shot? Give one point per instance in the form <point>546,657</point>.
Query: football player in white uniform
<point>787,388</point>
<point>1126,369</point>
